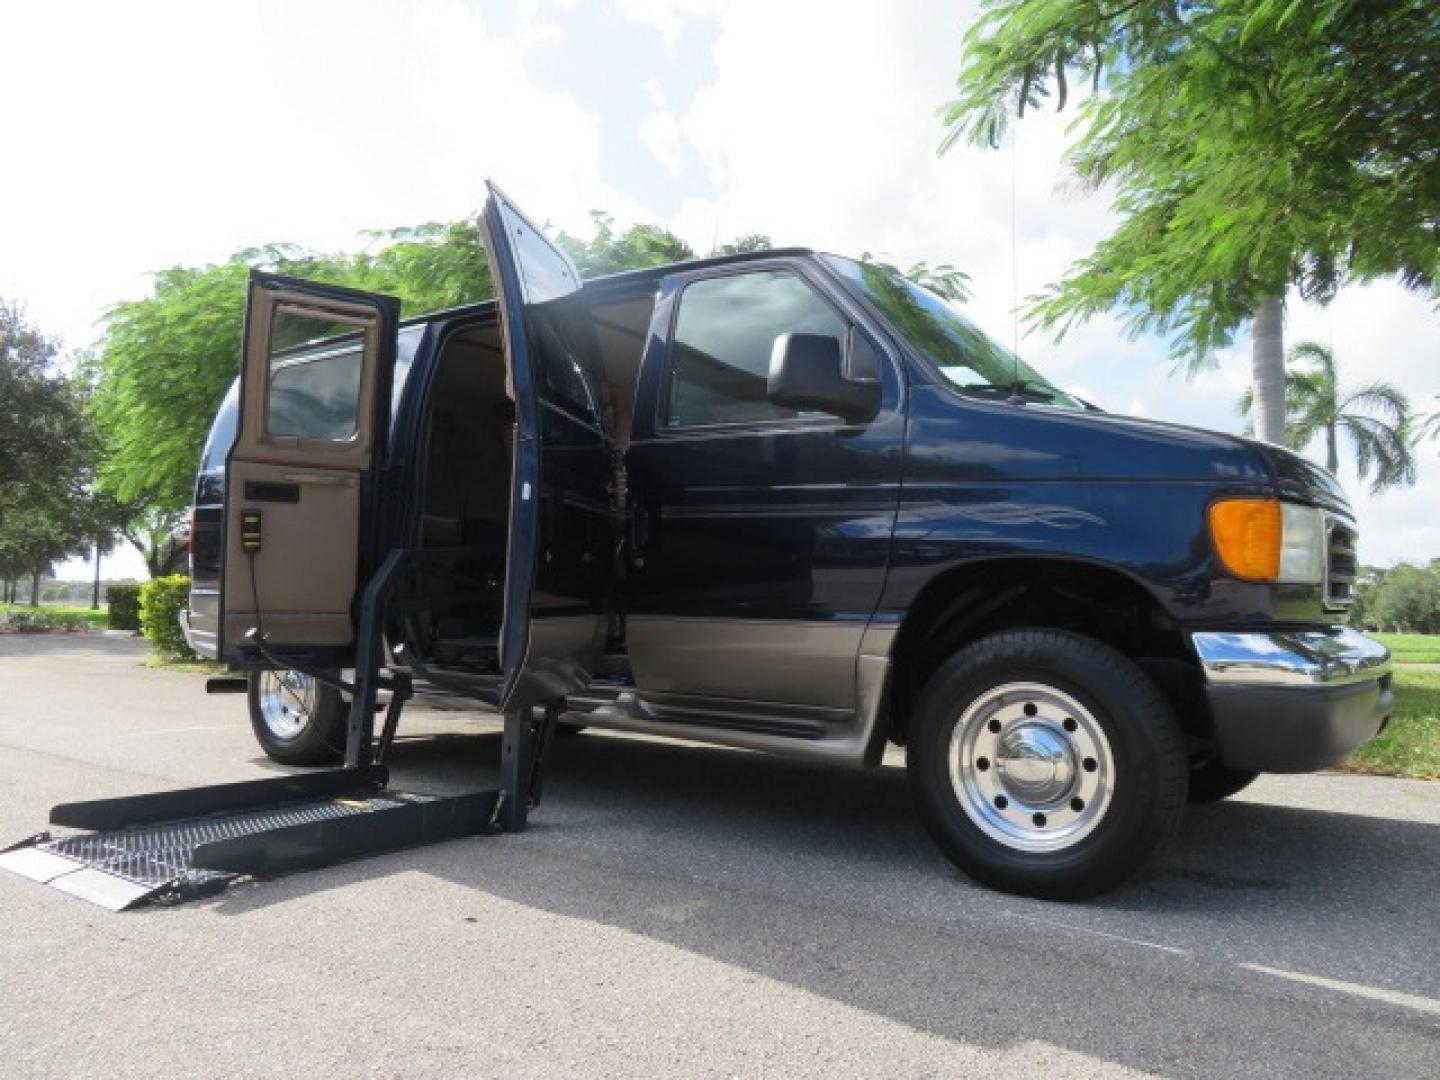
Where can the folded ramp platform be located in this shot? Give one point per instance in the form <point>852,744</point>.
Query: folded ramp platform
<point>179,845</point>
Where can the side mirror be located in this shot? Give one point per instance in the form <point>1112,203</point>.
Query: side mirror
<point>806,373</point>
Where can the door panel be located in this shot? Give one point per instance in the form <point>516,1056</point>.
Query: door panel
<point>313,385</point>
<point>557,567</point>
<point>762,537</point>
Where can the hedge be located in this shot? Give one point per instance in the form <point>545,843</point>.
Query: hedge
<point>41,621</point>
<point>124,606</point>
<point>161,602</point>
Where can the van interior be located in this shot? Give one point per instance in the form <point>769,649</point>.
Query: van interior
<point>468,456</point>
<point>464,524</point>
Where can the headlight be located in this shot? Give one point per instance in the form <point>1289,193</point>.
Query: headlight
<point>1269,540</point>
<point>1302,544</point>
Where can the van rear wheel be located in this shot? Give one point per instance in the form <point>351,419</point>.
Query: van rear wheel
<point>297,721</point>
<point>1045,763</point>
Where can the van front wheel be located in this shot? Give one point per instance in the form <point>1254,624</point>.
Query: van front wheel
<point>297,721</point>
<point>1046,763</point>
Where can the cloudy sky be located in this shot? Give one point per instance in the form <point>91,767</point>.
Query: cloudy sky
<point>142,135</point>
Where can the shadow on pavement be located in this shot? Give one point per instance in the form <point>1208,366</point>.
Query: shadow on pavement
<point>823,878</point>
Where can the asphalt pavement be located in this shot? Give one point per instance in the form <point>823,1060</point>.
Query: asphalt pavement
<point>679,910</point>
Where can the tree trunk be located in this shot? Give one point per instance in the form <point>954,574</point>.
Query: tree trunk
<point>35,590</point>
<point>1332,451</point>
<point>95,591</point>
<point>1267,369</point>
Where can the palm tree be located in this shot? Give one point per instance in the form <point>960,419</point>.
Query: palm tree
<point>1427,426</point>
<point>1376,418</point>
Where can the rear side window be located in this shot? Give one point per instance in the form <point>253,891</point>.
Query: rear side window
<point>725,330</point>
<point>314,386</point>
<point>222,431</point>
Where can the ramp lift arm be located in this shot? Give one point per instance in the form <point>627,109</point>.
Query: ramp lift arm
<point>176,845</point>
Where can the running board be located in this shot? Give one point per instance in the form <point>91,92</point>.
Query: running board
<point>178,845</point>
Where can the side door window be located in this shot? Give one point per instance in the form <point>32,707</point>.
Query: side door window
<point>725,330</point>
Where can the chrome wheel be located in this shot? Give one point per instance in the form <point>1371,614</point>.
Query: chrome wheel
<point>287,702</point>
<point>1031,767</point>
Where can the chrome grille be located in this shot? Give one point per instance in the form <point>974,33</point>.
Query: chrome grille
<point>1341,564</point>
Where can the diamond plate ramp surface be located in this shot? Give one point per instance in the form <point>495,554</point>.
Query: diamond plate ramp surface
<point>196,856</point>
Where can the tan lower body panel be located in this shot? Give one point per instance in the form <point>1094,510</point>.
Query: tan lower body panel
<point>306,569</point>
<point>805,663</point>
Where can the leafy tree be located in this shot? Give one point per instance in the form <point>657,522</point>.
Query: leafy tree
<point>1254,146</point>
<point>1406,600</point>
<point>48,508</point>
<point>608,251</point>
<point>1375,417</point>
<point>744,245</point>
<point>430,267</point>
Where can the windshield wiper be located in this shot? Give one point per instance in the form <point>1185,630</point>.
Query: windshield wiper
<point>1020,390</point>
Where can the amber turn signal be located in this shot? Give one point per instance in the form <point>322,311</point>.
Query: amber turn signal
<point>1246,534</point>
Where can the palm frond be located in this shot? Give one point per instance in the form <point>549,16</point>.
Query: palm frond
<point>1381,449</point>
<point>1379,398</point>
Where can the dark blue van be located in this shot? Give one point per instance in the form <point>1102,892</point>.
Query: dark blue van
<point>790,502</point>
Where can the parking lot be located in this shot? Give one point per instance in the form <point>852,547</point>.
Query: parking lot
<point>684,910</point>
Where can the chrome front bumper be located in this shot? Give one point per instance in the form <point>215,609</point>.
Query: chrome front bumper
<point>1294,701</point>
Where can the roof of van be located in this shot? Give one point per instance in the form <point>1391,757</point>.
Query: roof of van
<point>622,278</point>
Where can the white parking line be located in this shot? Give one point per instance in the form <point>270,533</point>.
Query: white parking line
<point>1374,993</point>
<point>1099,933</point>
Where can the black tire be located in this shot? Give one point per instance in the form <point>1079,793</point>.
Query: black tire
<point>313,732</point>
<point>1213,781</point>
<point>1136,788</point>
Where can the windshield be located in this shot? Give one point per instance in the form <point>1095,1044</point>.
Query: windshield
<point>973,363</point>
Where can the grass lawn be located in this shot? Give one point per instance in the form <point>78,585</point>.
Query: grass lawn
<point>1412,648</point>
<point>93,619</point>
<point>1410,745</point>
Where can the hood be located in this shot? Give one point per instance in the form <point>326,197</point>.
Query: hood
<point>1301,479</point>
<point>1294,477</point>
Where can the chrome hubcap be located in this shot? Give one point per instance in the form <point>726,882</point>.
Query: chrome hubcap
<point>1034,763</point>
<point>287,701</point>
<point>1031,766</point>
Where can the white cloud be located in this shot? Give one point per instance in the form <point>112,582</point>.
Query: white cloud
<point>660,130</point>
<point>668,18</point>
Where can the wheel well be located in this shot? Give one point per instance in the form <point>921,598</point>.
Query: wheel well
<point>970,601</point>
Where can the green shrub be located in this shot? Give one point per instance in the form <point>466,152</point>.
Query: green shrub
<point>161,602</point>
<point>40,621</point>
<point>124,601</point>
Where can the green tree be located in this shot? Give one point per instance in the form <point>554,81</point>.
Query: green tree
<point>1254,147</point>
<point>744,245</point>
<point>48,506</point>
<point>608,251</point>
<point>1375,418</point>
<point>1406,600</point>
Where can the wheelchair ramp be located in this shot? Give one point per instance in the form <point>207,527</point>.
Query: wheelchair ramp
<point>180,845</point>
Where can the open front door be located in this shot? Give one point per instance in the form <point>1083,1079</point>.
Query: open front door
<point>314,392</point>
<point>561,525</point>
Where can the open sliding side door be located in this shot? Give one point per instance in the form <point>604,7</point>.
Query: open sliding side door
<point>314,412</point>
<point>558,566</point>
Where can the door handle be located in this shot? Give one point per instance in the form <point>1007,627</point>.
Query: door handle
<point>322,479</point>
